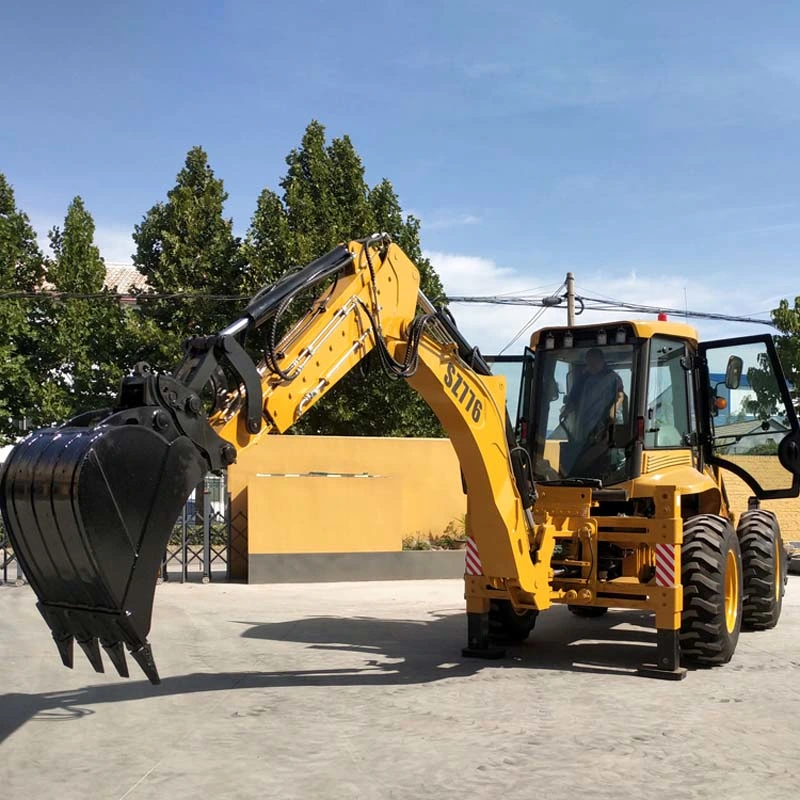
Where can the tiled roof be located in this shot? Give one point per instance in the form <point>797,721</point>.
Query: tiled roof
<point>121,277</point>
<point>753,426</point>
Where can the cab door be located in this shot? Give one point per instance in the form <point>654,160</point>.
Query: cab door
<point>745,416</point>
<point>518,372</point>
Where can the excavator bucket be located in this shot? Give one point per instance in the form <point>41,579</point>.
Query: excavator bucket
<point>89,507</point>
<point>89,511</point>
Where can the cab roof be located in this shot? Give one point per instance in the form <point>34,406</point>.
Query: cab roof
<point>644,329</point>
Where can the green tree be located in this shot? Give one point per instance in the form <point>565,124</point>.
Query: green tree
<point>84,339</point>
<point>766,400</point>
<point>186,246</point>
<point>21,269</point>
<point>326,200</point>
<point>786,319</point>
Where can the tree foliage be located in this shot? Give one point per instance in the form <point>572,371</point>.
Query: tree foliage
<point>62,355</point>
<point>21,268</point>
<point>185,245</point>
<point>766,401</point>
<point>326,200</point>
<point>84,341</point>
<point>786,319</point>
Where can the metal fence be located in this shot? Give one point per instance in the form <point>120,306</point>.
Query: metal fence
<point>198,549</point>
<point>9,566</point>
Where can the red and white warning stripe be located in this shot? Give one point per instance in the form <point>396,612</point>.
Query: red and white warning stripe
<point>665,565</point>
<point>472,559</point>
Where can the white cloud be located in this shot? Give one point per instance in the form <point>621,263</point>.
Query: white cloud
<point>443,218</point>
<point>462,274</point>
<point>491,327</point>
<point>439,222</point>
<point>114,241</point>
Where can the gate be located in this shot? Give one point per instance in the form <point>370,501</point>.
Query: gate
<point>10,571</point>
<point>199,548</point>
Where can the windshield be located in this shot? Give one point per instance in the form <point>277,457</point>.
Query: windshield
<point>581,422</point>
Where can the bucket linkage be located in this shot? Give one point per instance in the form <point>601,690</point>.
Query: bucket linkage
<point>89,507</point>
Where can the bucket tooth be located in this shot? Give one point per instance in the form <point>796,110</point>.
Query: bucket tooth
<point>64,645</point>
<point>116,654</point>
<point>92,649</point>
<point>144,658</point>
<point>89,512</point>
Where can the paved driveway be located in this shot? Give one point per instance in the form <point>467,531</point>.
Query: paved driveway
<point>359,691</point>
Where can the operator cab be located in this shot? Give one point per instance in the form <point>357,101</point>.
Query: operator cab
<point>580,426</point>
<point>601,405</point>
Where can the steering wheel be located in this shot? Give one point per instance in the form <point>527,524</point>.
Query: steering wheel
<point>562,421</point>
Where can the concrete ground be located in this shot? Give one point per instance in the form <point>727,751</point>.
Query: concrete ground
<point>359,691</point>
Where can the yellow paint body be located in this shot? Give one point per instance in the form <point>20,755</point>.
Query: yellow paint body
<point>517,550</point>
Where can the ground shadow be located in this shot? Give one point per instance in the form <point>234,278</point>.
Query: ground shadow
<point>395,652</point>
<point>560,641</point>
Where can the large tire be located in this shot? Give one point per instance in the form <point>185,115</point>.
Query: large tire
<point>764,568</point>
<point>506,624</point>
<point>711,574</point>
<point>588,611</point>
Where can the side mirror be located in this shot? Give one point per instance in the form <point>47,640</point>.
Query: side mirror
<point>552,389</point>
<point>733,372</point>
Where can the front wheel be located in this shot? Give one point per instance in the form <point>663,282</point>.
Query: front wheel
<point>711,574</point>
<point>588,611</point>
<point>508,624</point>
<point>764,567</point>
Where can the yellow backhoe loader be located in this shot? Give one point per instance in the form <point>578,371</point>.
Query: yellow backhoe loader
<point>604,492</point>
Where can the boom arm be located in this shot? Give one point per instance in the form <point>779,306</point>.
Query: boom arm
<point>372,305</point>
<point>90,508</point>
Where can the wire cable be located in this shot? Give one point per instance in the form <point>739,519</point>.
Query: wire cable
<point>600,304</point>
<point>524,328</point>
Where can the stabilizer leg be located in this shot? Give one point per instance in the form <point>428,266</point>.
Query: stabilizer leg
<point>478,642</point>
<point>667,666</point>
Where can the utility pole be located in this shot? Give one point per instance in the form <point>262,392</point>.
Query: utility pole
<point>570,299</point>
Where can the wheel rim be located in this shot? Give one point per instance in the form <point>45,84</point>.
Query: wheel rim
<point>778,575</point>
<point>731,591</point>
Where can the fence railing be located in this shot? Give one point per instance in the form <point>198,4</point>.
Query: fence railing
<point>198,549</point>
<point>200,543</point>
<point>9,566</point>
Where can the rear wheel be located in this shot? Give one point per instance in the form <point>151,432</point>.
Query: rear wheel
<point>508,624</point>
<point>587,611</point>
<point>764,569</point>
<point>711,574</point>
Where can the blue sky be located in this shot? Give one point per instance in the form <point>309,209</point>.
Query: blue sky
<point>650,148</point>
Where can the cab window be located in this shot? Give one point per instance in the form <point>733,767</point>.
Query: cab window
<point>667,416</point>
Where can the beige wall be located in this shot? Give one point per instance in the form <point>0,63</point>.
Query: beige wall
<point>414,488</point>
<point>787,511</point>
<point>323,515</point>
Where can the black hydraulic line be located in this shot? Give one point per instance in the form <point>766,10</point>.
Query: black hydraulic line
<point>266,305</point>
<point>523,477</point>
<point>471,355</point>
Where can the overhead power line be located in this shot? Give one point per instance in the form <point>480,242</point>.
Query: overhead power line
<point>551,301</point>
<point>600,304</point>
<point>122,296</point>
